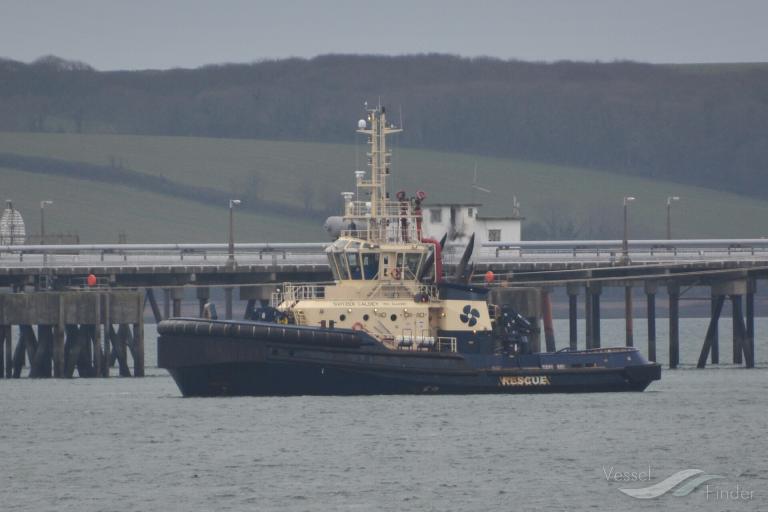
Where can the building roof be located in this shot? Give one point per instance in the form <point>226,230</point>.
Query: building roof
<point>429,205</point>
<point>512,217</point>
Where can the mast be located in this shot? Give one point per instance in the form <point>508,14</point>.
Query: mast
<point>382,216</point>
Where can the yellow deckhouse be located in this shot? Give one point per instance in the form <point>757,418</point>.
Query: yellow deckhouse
<point>385,273</point>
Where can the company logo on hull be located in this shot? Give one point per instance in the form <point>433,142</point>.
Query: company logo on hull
<point>469,315</point>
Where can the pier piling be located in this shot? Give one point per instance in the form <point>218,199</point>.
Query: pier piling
<point>60,332</point>
<point>166,302</point>
<point>595,289</point>
<point>716,309</point>
<point>150,297</point>
<point>673,290</point>
<point>549,329</point>
<point>573,315</point>
<point>228,303</point>
<point>588,318</point>
<point>710,340</point>
<point>750,318</point>
<point>650,296</point>
<point>8,351</point>
<point>630,338</point>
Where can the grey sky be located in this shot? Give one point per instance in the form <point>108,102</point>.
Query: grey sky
<point>138,34</point>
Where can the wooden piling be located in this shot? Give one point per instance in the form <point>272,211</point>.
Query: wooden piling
<point>166,302</point>
<point>750,318</point>
<point>630,338</point>
<point>72,347</point>
<point>650,296</point>
<point>138,340</point>
<point>715,319</point>
<point>2,351</point>
<point>741,344</point>
<point>588,318</point>
<point>85,358</point>
<point>673,291</point>
<point>549,329</point>
<point>228,303</point>
<point>98,353</point>
<point>30,342</point>
<point>59,354</point>
<point>595,290</point>
<point>104,326</point>
<point>711,336</point>
<point>573,317</point>
<point>736,316</point>
<point>40,365</point>
<point>120,341</point>
<point>18,355</point>
<point>150,294</point>
<point>8,351</point>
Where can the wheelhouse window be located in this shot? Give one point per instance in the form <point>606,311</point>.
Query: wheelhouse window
<point>370,265</point>
<point>341,264</point>
<point>494,235</point>
<point>333,263</point>
<point>413,263</point>
<point>354,265</point>
<point>435,215</point>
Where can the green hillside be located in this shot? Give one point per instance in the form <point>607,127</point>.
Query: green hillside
<point>310,176</point>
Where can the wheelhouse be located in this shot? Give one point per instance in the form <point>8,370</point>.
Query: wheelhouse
<point>353,259</point>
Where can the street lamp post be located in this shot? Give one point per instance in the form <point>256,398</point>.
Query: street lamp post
<point>43,204</point>
<point>669,215</point>
<point>625,241</point>
<point>232,204</point>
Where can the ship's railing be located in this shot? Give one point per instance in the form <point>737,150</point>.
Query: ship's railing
<point>445,344</point>
<point>426,343</point>
<point>397,290</point>
<point>388,209</point>
<point>391,231</point>
<point>291,292</point>
<point>393,222</point>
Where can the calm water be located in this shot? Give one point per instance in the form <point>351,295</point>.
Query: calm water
<point>125,444</point>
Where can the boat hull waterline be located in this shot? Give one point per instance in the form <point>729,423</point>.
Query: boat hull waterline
<point>226,358</point>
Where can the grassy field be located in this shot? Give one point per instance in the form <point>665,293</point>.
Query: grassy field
<point>292,172</point>
<point>98,212</point>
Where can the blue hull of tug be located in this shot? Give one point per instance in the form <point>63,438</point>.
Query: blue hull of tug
<point>209,358</point>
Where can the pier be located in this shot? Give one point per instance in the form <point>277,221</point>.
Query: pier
<point>64,326</point>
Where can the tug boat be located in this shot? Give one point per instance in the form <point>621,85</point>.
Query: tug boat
<point>389,323</point>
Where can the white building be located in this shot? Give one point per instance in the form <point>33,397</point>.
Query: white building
<point>460,221</point>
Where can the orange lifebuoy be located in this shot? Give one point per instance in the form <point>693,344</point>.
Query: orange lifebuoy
<point>357,326</point>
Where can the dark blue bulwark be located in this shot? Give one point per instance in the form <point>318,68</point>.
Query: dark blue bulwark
<point>468,342</point>
<point>453,291</point>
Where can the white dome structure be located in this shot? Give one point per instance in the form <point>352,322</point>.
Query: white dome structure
<point>12,231</point>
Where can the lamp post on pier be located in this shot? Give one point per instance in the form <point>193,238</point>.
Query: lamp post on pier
<point>625,241</point>
<point>43,204</point>
<point>669,215</point>
<point>232,204</point>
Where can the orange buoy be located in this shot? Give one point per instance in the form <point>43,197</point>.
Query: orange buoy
<point>489,277</point>
<point>91,280</point>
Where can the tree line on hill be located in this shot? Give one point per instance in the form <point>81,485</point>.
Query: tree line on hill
<point>703,125</point>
